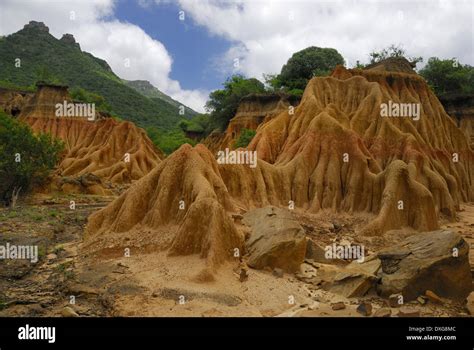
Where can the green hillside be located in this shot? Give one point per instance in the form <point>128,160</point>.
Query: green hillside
<point>43,57</point>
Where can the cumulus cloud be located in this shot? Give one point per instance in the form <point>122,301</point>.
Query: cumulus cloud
<point>267,32</point>
<point>131,52</point>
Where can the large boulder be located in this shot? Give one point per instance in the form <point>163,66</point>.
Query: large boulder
<point>436,261</point>
<point>277,240</point>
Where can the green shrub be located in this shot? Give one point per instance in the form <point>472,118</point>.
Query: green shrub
<point>168,141</point>
<point>25,159</point>
<point>245,137</point>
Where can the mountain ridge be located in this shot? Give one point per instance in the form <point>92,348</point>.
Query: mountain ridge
<point>31,53</point>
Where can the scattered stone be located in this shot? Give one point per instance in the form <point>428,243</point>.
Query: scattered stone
<point>406,311</point>
<point>277,272</point>
<point>243,275</point>
<point>470,304</point>
<point>338,306</point>
<point>336,227</point>
<point>308,228</point>
<point>431,296</point>
<point>237,218</point>
<point>421,299</point>
<point>365,308</point>
<point>383,312</point>
<point>51,256</point>
<point>355,279</point>
<point>68,312</point>
<point>395,300</point>
<point>316,253</point>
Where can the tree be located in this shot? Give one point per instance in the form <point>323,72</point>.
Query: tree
<point>26,159</point>
<point>79,94</point>
<point>391,51</point>
<point>448,76</point>
<point>222,104</point>
<point>302,66</point>
<point>245,138</point>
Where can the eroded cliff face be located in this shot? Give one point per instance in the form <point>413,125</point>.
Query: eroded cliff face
<point>253,111</point>
<point>336,152</point>
<point>109,150</point>
<point>461,108</point>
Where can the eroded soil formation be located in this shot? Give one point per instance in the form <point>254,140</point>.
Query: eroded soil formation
<point>192,236</point>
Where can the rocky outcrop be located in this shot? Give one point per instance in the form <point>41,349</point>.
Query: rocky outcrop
<point>37,26</point>
<point>70,40</point>
<point>432,261</point>
<point>277,240</point>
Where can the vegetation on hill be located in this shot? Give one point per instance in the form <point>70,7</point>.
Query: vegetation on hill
<point>30,55</point>
<point>222,104</point>
<point>148,90</point>
<point>447,77</point>
<point>245,137</point>
<point>302,66</point>
<point>168,141</point>
<point>26,159</point>
<point>392,51</point>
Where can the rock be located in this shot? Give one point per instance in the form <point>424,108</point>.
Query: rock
<point>336,227</point>
<point>422,300</point>
<point>316,252</point>
<point>406,311</point>
<point>355,279</point>
<point>395,300</point>
<point>431,296</point>
<point>470,304</point>
<point>425,261</point>
<point>277,272</point>
<point>243,275</point>
<point>277,239</point>
<point>68,312</point>
<point>365,308</point>
<point>39,26</point>
<point>308,228</point>
<point>51,256</point>
<point>383,312</point>
<point>237,218</point>
<point>338,306</point>
<point>69,39</point>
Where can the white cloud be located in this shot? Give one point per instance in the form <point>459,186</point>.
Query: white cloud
<point>131,53</point>
<point>267,32</point>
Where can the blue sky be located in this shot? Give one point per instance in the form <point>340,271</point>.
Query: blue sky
<point>187,60</point>
<point>191,47</point>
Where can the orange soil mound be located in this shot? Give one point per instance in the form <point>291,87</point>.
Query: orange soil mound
<point>100,147</point>
<point>334,152</point>
<point>190,175</point>
<point>115,151</point>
